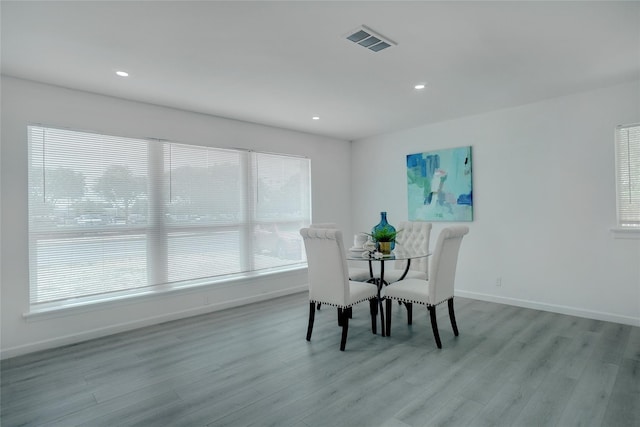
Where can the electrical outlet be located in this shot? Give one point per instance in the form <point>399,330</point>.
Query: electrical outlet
<point>499,282</point>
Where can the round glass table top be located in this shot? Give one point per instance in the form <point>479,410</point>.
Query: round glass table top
<point>394,255</point>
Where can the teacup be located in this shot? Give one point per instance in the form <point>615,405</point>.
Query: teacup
<point>359,240</point>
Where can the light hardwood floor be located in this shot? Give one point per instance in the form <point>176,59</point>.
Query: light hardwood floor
<point>252,366</point>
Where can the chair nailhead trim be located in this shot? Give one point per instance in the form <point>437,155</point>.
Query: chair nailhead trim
<point>339,305</point>
<point>416,302</point>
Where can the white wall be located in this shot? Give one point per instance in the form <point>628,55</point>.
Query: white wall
<point>544,202</point>
<point>25,102</point>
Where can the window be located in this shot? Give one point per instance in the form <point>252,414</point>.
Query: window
<point>628,176</point>
<point>111,215</point>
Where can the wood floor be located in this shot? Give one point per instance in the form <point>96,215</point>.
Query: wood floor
<point>252,366</point>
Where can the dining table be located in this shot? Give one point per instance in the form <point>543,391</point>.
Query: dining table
<point>376,257</point>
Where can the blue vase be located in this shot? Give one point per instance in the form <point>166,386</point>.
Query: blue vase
<point>383,224</point>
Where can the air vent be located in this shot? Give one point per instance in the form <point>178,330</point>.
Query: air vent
<point>366,37</point>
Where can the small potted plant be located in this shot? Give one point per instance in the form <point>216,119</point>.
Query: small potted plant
<point>384,237</point>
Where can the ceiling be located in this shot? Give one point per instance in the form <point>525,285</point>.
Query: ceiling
<point>280,63</point>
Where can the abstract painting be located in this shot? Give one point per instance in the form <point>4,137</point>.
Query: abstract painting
<point>439,185</point>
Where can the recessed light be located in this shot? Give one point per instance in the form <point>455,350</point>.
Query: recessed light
<point>420,86</point>
<point>122,73</point>
<point>315,118</point>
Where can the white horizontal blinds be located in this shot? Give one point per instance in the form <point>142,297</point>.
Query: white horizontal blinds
<point>204,212</point>
<point>83,238</point>
<point>628,175</point>
<point>282,207</point>
<point>110,214</point>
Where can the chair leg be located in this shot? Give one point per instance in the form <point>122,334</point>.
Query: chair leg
<point>312,315</point>
<point>434,325</point>
<point>452,316</point>
<point>409,306</point>
<point>388,325</point>
<point>319,305</point>
<point>348,313</point>
<point>373,308</point>
<point>339,317</point>
<point>345,327</point>
<point>382,323</point>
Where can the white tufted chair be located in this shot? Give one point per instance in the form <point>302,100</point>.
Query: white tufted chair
<point>436,290</point>
<point>414,237</point>
<point>329,281</point>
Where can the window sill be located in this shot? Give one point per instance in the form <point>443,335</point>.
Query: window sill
<point>625,233</point>
<point>84,305</point>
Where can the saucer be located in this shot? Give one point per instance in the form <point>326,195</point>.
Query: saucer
<point>356,249</point>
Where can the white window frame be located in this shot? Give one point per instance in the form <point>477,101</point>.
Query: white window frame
<point>627,177</point>
<point>244,223</point>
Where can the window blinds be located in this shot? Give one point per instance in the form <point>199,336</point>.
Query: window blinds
<point>628,175</point>
<point>110,215</point>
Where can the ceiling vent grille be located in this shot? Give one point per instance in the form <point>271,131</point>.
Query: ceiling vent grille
<point>366,37</point>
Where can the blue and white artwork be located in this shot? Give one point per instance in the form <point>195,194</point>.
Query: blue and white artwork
<point>439,185</point>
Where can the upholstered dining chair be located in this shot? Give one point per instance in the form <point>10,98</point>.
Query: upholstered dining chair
<point>357,274</point>
<point>414,236</point>
<point>329,282</point>
<point>436,290</point>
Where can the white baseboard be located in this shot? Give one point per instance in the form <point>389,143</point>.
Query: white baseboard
<point>554,308</point>
<point>140,323</point>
